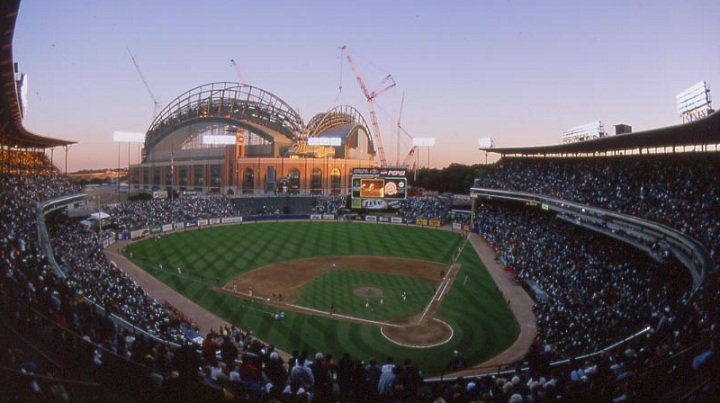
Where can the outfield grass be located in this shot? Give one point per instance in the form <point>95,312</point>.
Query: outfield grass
<point>482,323</point>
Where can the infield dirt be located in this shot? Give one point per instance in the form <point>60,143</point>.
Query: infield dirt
<point>277,284</point>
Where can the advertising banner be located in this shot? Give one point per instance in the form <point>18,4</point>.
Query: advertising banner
<point>421,221</point>
<point>167,227</point>
<point>371,218</point>
<point>316,216</point>
<point>191,224</point>
<point>396,220</point>
<point>214,221</point>
<point>328,217</point>
<point>156,230</point>
<point>374,204</point>
<point>435,223</point>
<point>179,225</point>
<point>139,233</point>
<point>202,222</point>
<point>229,220</point>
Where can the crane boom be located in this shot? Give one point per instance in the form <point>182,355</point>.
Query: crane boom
<point>156,103</point>
<point>237,72</point>
<point>397,147</point>
<point>370,96</point>
<point>409,158</point>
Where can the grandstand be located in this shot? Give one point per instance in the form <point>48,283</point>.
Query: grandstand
<point>622,243</point>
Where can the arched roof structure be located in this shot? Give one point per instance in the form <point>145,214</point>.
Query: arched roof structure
<point>12,132</point>
<point>228,103</point>
<point>344,122</point>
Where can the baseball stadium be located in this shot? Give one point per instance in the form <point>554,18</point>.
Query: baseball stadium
<point>284,261</point>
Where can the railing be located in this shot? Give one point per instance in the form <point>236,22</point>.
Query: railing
<point>689,252</point>
<point>45,245</point>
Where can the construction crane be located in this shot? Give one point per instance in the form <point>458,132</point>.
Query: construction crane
<point>399,128</point>
<point>409,158</point>
<point>411,154</point>
<point>237,71</point>
<point>156,101</point>
<point>370,96</point>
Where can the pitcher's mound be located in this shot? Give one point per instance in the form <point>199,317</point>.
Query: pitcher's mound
<point>368,292</point>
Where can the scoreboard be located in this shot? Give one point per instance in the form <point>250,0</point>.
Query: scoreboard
<point>377,188</point>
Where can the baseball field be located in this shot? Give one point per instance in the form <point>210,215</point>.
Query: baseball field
<point>367,289</point>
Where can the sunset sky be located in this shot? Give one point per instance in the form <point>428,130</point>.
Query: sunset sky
<point>520,72</point>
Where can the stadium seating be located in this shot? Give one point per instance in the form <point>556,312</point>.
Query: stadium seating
<point>621,292</point>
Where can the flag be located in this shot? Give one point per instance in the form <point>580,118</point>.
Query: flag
<point>172,167</point>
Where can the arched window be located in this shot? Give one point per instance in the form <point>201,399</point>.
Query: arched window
<point>248,181</point>
<point>294,180</point>
<point>335,181</point>
<point>316,181</point>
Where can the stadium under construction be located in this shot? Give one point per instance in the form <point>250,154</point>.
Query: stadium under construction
<point>231,138</point>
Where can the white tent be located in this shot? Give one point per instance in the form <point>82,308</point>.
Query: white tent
<point>99,216</point>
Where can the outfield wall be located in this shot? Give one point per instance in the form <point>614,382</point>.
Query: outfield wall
<point>140,233</point>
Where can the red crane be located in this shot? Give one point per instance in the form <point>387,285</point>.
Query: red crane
<point>237,71</point>
<point>370,96</point>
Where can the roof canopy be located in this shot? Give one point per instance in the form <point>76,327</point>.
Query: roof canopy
<point>704,131</point>
<point>12,133</point>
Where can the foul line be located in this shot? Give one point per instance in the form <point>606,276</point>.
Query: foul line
<point>446,281</point>
<point>304,309</point>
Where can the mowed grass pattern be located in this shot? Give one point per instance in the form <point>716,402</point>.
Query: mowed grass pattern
<point>337,289</point>
<point>482,323</point>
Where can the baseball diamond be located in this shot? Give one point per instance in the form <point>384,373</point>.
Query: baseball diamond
<point>286,279</point>
<point>328,280</point>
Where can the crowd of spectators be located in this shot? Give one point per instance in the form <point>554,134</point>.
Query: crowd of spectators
<point>51,306</point>
<point>598,290</point>
<point>148,213</point>
<point>29,281</point>
<point>21,162</point>
<point>424,207</point>
<point>680,191</point>
<point>92,275</point>
<point>128,216</point>
<point>330,204</point>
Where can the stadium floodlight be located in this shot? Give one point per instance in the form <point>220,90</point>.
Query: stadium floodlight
<point>218,139</point>
<point>485,143</point>
<point>120,137</point>
<point>694,102</point>
<point>128,137</point>
<point>588,131</point>
<point>424,142</point>
<point>324,141</point>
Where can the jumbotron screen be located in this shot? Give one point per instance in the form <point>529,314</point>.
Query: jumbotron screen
<point>373,188</point>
